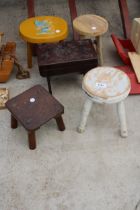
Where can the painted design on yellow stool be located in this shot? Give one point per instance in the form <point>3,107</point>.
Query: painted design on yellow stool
<point>44,27</point>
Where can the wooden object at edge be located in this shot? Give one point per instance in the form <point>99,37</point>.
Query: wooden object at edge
<point>7,54</point>
<point>135,60</point>
<point>135,34</point>
<point>4,96</point>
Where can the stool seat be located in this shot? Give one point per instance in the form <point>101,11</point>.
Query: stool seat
<point>90,25</point>
<point>107,84</point>
<point>43,29</point>
<point>66,57</point>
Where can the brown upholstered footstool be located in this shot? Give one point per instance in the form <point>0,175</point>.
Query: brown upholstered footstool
<point>66,57</point>
<point>33,108</point>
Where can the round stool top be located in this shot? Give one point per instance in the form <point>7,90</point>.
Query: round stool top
<point>90,25</point>
<point>43,29</point>
<point>106,83</point>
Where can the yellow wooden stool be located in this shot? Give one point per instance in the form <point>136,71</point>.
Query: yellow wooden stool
<point>42,29</point>
<point>92,26</point>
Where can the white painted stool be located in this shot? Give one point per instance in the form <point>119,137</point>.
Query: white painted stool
<point>105,85</point>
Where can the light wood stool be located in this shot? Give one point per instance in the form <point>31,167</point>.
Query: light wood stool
<point>92,26</point>
<point>105,85</point>
<point>42,29</point>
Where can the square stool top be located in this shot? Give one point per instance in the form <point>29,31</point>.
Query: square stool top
<point>64,54</point>
<point>34,107</point>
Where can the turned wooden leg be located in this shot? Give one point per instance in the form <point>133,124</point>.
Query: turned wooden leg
<point>29,55</point>
<point>49,84</point>
<point>60,123</point>
<point>99,49</point>
<point>32,139</point>
<point>85,113</point>
<point>14,123</point>
<point>34,49</point>
<point>122,118</point>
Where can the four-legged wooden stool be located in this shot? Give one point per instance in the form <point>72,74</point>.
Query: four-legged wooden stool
<point>66,57</point>
<point>92,26</point>
<point>105,85</point>
<point>32,109</point>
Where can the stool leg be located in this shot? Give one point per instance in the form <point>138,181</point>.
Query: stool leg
<point>29,55</point>
<point>32,139</point>
<point>60,123</point>
<point>34,49</point>
<point>14,123</point>
<point>85,113</point>
<point>49,84</point>
<point>85,37</point>
<point>99,49</point>
<point>122,118</point>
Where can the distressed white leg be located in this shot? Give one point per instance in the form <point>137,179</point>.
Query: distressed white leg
<point>100,49</point>
<point>85,113</point>
<point>122,118</point>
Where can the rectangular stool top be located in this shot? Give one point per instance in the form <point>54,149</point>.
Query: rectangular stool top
<point>34,107</point>
<point>66,52</point>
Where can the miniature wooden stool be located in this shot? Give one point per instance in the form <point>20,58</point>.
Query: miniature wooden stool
<point>32,109</point>
<point>42,29</point>
<point>66,57</point>
<point>106,85</point>
<point>92,26</point>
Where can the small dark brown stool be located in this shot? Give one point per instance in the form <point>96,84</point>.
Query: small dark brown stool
<point>66,57</point>
<point>33,108</point>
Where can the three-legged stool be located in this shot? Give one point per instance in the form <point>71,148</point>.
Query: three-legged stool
<point>92,26</point>
<point>32,109</point>
<point>105,85</point>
